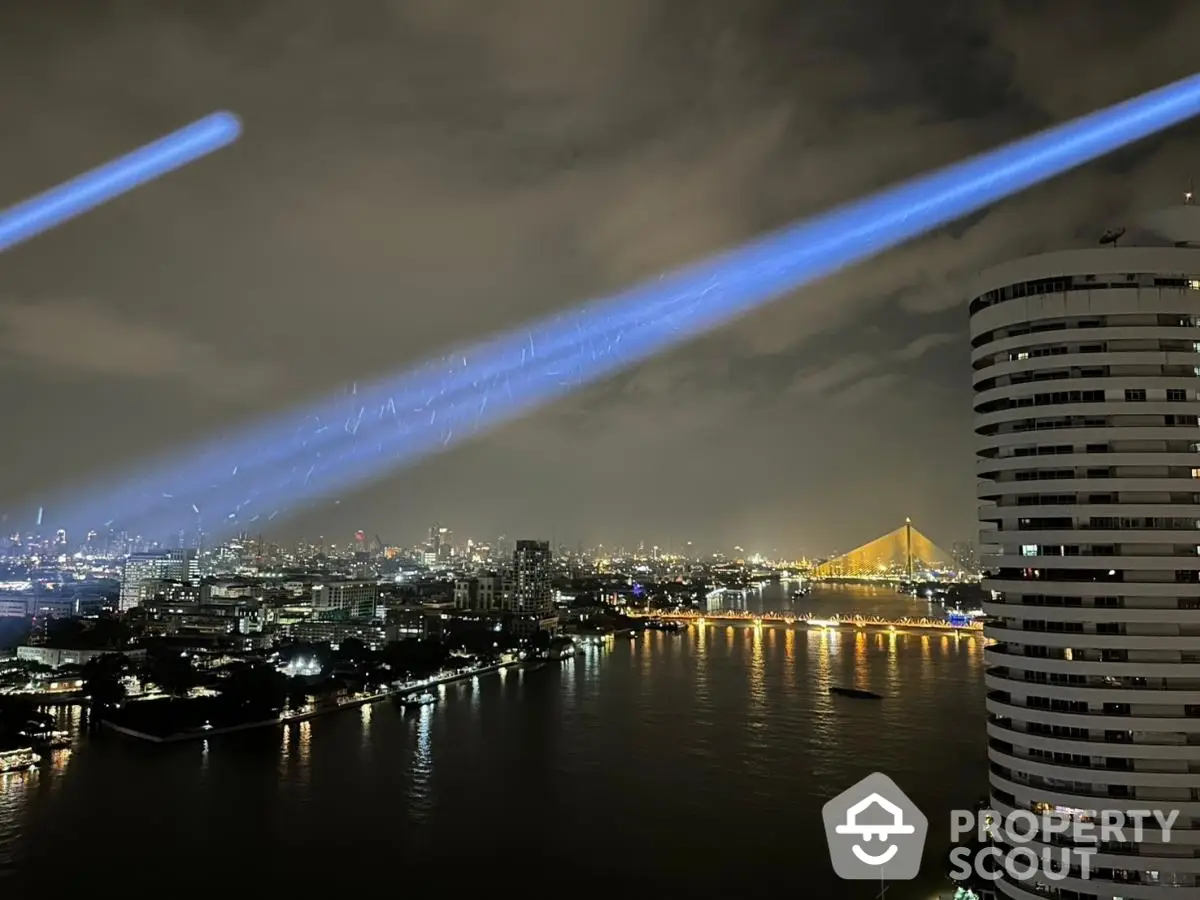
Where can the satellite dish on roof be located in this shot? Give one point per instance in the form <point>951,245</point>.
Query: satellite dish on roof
<point>1112,236</point>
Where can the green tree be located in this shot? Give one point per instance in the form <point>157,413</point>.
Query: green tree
<point>102,679</point>
<point>375,673</point>
<point>413,658</point>
<point>34,668</point>
<point>108,631</point>
<point>63,632</point>
<point>255,689</point>
<point>353,650</point>
<point>297,692</point>
<point>171,671</point>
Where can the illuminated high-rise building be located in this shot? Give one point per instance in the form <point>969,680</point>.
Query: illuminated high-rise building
<point>438,548</point>
<point>1086,368</point>
<point>532,592</point>
<point>144,570</point>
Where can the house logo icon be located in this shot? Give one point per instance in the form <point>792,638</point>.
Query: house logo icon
<point>875,832</point>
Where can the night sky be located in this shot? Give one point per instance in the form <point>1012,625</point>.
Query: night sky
<point>418,174</point>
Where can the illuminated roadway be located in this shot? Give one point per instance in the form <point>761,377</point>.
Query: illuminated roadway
<point>789,619</point>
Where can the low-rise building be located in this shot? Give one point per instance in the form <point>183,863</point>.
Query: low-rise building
<point>375,635</point>
<point>345,600</point>
<point>55,657</point>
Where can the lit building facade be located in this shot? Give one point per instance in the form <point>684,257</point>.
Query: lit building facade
<point>484,592</point>
<point>345,600</point>
<point>56,657</point>
<point>145,571</point>
<point>532,592</point>
<point>1086,367</point>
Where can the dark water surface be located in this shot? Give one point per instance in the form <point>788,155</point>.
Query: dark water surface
<point>664,765</point>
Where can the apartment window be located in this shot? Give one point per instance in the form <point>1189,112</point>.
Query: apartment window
<point>1176,394</point>
<point>1135,395</point>
<point>1032,549</point>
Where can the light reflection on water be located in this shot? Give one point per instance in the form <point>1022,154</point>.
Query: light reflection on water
<point>303,745</point>
<point>421,768</point>
<point>720,736</point>
<point>757,669</point>
<point>365,712</point>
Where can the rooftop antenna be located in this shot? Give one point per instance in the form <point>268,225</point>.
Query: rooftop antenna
<point>1112,235</point>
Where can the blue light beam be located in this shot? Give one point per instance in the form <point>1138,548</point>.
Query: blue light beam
<point>79,195</point>
<point>345,441</point>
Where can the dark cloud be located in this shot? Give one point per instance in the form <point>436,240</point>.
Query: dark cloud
<point>76,340</point>
<point>418,174</point>
<point>918,347</point>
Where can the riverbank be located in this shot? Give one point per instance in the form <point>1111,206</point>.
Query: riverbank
<point>203,733</point>
<point>74,698</point>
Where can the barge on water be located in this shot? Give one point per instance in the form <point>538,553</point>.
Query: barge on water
<point>418,701</point>
<point>18,759</point>
<point>855,693</point>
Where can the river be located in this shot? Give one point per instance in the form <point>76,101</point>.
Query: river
<point>660,765</point>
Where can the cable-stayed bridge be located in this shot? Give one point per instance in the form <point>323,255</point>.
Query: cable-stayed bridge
<point>900,555</point>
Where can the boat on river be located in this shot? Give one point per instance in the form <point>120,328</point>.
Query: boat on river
<point>419,700</point>
<point>19,759</point>
<point>855,693</point>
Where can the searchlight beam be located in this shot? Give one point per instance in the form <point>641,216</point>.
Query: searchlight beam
<point>351,439</point>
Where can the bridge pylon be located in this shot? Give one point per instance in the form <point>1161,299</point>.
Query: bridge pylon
<point>901,553</point>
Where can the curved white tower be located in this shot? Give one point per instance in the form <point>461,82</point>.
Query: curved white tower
<point>1086,371</point>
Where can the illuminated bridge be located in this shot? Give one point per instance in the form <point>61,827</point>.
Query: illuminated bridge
<point>901,554</point>
<point>812,621</point>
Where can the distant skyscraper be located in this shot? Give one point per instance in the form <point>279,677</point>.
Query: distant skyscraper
<point>438,548</point>
<point>532,593</point>
<point>142,570</point>
<point>1086,371</point>
<point>965,556</point>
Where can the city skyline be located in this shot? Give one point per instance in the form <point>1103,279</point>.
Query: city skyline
<point>768,434</point>
<point>923,536</point>
<point>58,541</point>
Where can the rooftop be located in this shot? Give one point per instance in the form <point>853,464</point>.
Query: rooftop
<point>1178,225</point>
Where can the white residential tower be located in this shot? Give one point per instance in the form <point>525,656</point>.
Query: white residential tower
<point>1086,367</point>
